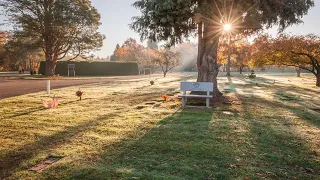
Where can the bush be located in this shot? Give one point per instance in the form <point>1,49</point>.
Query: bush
<point>94,68</point>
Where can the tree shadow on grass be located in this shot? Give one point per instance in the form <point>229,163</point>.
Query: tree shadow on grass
<point>14,159</point>
<point>38,109</point>
<point>278,153</point>
<point>24,113</point>
<point>186,145</point>
<point>291,94</point>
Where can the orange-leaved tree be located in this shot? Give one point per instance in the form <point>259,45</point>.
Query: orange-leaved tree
<point>288,50</point>
<point>129,51</point>
<point>237,51</point>
<point>166,59</point>
<point>4,38</point>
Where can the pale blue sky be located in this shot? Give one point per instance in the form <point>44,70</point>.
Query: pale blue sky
<point>117,14</point>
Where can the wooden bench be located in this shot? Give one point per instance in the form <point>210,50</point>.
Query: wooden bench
<point>198,87</point>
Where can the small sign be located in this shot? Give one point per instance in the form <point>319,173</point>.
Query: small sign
<point>71,66</point>
<point>196,85</point>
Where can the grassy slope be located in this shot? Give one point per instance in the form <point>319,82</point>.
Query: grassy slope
<point>272,132</point>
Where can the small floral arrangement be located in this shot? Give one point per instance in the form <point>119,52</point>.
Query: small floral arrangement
<point>252,75</point>
<point>79,93</point>
<point>165,97</point>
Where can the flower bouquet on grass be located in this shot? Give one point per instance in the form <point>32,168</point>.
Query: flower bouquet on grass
<point>79,93</point>
<point>165,97</point>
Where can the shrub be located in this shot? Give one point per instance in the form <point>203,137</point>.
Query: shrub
<point>94,68</point>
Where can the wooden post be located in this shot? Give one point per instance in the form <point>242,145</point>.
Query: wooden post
<point>48,86</point>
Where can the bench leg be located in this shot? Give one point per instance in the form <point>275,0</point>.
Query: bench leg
<point>183,102</point>
<point>208,102</point>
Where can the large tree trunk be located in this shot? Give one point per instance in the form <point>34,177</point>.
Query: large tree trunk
<point>208,68</point>
<point>50,63</point>
<point>49,39</point>
<point>50,68</point>
<point>318,80</point>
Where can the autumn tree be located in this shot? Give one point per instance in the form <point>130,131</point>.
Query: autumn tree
<point>130,51</point>
<point>235,53</point>
<point>4,38</point>
<point>172,21</point>
<point>60,27</point>
<point>114,56</point>
<point>166,59</point>
<point>23,53</point>
<point>301,52</point>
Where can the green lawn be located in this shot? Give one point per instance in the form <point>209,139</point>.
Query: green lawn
<point>123,130</point>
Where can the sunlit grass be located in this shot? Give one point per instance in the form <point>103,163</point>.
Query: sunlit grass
<point>124,130</point>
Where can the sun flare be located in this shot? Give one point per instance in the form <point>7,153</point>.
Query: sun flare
<point>227,27</point>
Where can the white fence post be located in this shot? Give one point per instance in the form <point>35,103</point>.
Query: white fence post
<point>48,86</point>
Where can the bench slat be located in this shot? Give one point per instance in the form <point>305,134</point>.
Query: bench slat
<point>196,86</point>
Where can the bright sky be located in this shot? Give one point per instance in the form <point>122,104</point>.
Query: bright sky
<point>117,14</point>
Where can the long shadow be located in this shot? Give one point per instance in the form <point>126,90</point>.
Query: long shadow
<point>290,95</point>
<point>182,146</point>
<point>308,116</point>
<point>28,112</point>
<point>278,153</point>
<point>38,109</point>
<point>269,81</point>
<point>12,160</point>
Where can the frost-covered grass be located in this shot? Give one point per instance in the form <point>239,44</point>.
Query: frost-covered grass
<point>123,130</point>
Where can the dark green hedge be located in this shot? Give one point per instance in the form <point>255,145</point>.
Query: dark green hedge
<point>94,68</point>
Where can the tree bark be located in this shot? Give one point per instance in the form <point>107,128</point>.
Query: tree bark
<point>298,72</point>
<point>48,36</point>
<point>241,69</point>
<point>50,68</point>
<point>164,74</point>
<point>208,68</point>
